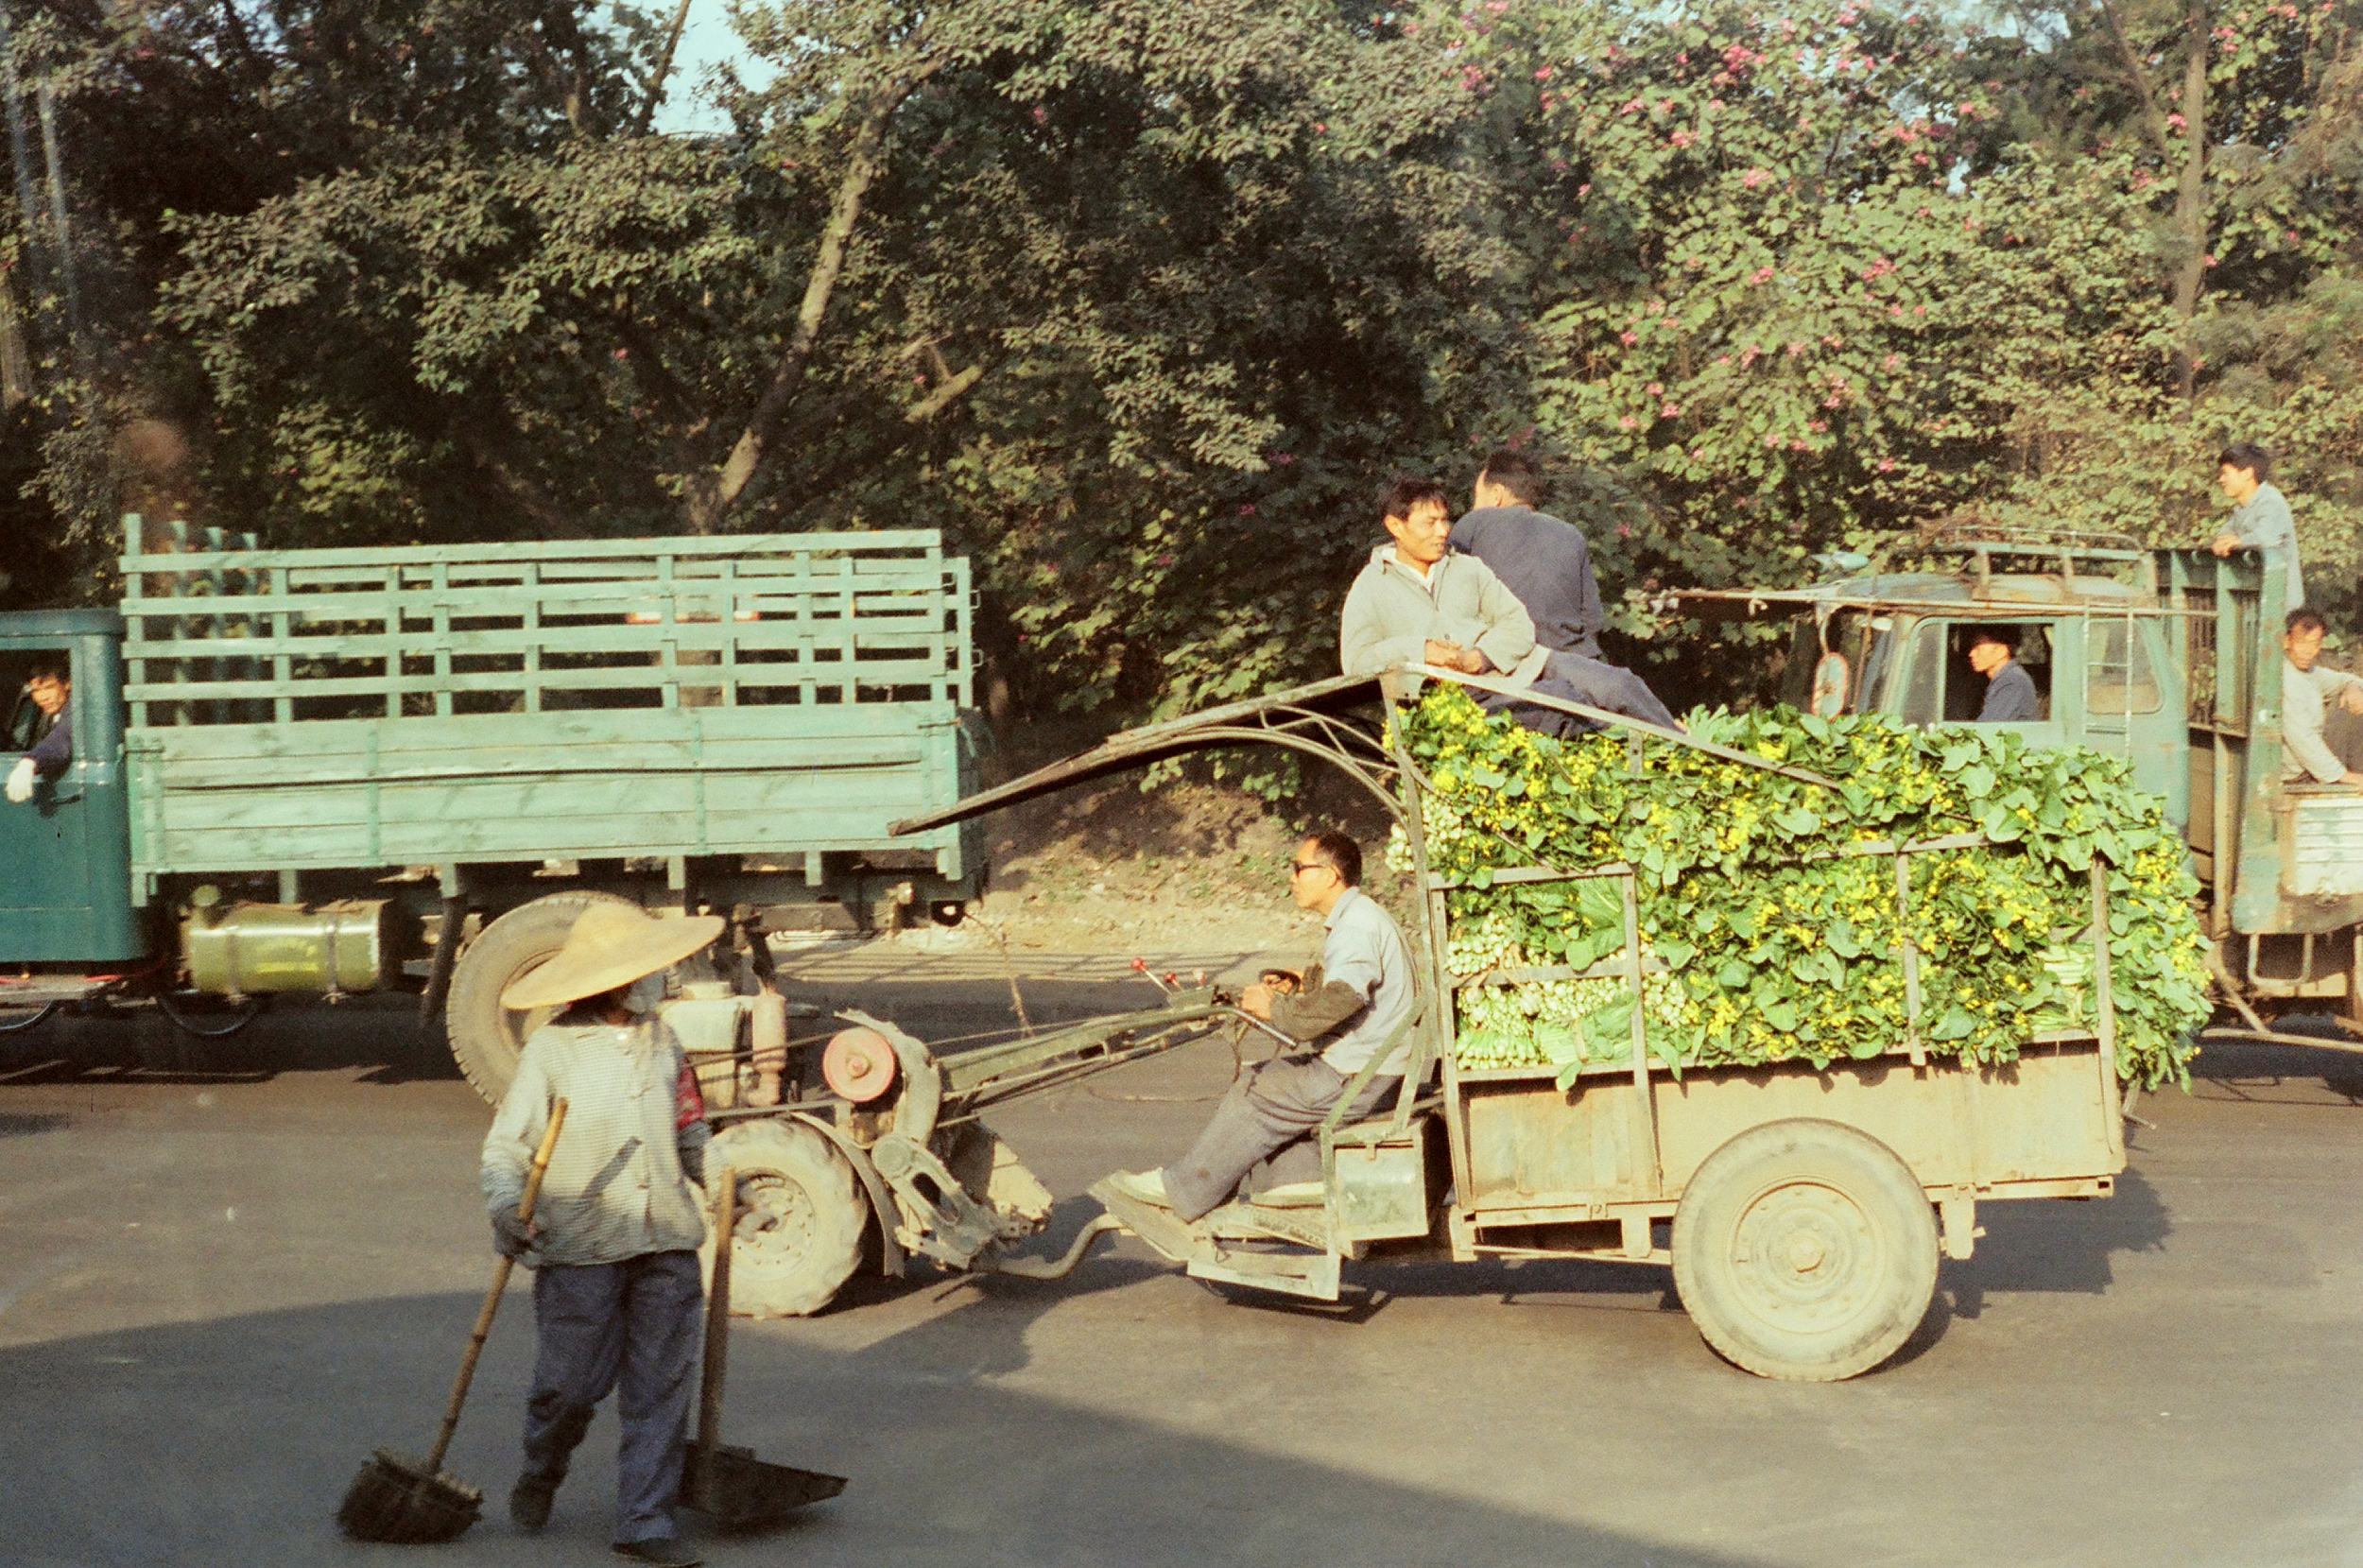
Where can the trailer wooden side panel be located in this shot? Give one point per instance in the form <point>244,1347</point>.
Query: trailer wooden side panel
<point>2051,1116</point>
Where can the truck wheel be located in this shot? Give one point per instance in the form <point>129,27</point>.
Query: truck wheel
<point>801,1217</point>
<point>486,1038</point>
<point>1805,1251</point>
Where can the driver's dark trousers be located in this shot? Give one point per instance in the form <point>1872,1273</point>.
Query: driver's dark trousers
<point>1260,1134</point>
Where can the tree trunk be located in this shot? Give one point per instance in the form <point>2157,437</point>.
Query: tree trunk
<point>2190,200</point>
<point>711,496</point>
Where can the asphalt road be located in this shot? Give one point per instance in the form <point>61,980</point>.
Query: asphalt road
<point>227,1275</point>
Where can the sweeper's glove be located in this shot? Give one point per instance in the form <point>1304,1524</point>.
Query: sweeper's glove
<point>512,1237</point>
<point>21,781</point>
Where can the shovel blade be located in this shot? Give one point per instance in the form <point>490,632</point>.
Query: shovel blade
<point>734,1488</point>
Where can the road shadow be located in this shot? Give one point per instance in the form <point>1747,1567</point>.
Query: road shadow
<point>381,1037</point>
<point>2263,1073</point>
<point>231,1440</point>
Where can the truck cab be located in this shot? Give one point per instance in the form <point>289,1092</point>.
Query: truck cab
<point>2170,659</point>
<point>66,897</point>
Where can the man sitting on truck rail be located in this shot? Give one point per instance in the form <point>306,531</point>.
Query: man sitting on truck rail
<point>1543,560</point>
<point>52,693</point>
<point>1357,1003</point>
<point>1414,603</point>
<point>2260,513</point>
<point>2323,745</point>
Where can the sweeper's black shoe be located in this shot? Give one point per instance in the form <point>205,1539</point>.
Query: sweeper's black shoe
<point>664,1551</point>
<point>529,1502</point>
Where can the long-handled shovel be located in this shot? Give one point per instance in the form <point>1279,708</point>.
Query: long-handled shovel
<point>413,1502</point>
<point>729,1484</point>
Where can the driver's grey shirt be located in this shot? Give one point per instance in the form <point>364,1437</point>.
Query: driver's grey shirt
<point>1365,949</point>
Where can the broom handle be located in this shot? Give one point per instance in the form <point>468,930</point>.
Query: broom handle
<point>718,1321</point>
<point>492,1297</point>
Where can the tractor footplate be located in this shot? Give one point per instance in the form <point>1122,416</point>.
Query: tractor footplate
<point>1311,1271</point>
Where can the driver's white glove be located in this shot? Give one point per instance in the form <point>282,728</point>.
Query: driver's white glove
<point>21,781</point>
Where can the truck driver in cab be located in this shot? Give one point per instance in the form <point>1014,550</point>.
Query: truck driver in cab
<point>51,692</point>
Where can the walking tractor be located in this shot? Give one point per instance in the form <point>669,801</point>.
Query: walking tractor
<point>1803,1202</point>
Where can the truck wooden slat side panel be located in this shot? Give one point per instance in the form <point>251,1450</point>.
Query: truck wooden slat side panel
<point>778,695</point>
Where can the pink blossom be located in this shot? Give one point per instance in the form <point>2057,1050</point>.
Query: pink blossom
<point>1671,411</point>
<point>1629,338</point>
<point>1320,128</point>
<point>1584,189</point>
<point>1624,530</point>
<point>1681,138</point>
<point>1632,108</point>
<point>2176,122</point>
<point>1167,559</point>
<point>1041,115</point>
<point>1657,388</point>
<point>621,355</point>
<point>1665,106</point>
<point>1626,421</point>
<point>1920,159</point>
<point>1796,349</point>
<point>1722,359</point>
<point>1761,275</point>
<point>1247,509</point>
<point>1887,465</point>
<point>2210,258</point>
<point>1818,425</point>
<point>1715,104</point>
<point>1542,72</point>
<point>1281,459</point>
<point>2293,236</point>
<point>1920,310</point>
<point>1893,361</point>
<point>1752,178</point>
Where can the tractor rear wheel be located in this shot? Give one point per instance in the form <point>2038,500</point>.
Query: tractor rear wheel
<point>801,1217</point>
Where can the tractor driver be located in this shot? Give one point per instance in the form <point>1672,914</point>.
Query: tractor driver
<point>1355,1005</point>
<point>53,738</point>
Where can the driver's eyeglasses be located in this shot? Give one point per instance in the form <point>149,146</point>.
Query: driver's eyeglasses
<point>1297,867</point>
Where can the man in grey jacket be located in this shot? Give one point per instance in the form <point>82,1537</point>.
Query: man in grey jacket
<point>2260,513</point>
<point>614,1247</point>
<point>1415,603</point>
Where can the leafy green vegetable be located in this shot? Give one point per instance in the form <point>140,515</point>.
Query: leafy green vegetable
<point>1775,945</point>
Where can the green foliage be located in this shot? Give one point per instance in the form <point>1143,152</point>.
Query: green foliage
<point>1777,944</point>
<point>1143,300</point>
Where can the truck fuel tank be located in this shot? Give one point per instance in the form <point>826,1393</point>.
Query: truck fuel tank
<point>254,949</point>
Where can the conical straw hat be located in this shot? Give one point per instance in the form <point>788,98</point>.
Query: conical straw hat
<point>611,945</point>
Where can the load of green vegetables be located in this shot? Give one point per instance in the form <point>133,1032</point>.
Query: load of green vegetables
<point>1767,934</point>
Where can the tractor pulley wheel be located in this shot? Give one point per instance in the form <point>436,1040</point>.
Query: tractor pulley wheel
<point>859,1065</point>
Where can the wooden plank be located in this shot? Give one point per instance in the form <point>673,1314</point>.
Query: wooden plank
<point>739,545</point>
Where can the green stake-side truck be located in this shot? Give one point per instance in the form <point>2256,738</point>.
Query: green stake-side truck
<point>2170,658</point>
<point>330,772</point>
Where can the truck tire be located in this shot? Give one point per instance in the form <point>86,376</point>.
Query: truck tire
<point>802,1218</point>
<point>1805,1251</point>
<point>486,1038</point>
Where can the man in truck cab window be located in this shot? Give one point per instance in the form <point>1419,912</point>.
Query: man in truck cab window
<point>2010,695</point>
<point>53,738</point>
<point>2322,745</point>
<point>2260,513</point>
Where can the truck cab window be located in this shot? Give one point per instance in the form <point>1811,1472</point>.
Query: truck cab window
<point>1965,689</point>
<point>2111,685</point>
<point>25,722</point>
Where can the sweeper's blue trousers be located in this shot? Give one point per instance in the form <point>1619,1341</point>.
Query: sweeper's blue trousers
<point>636,1323</point>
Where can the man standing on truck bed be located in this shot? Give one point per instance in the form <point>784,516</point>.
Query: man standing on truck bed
<point>52,694</point>
<point>2320,744</point>
<point>617,1293</point>
<point>1355,1005</point>
<point>1545,561</point>
<point>2260,513</point>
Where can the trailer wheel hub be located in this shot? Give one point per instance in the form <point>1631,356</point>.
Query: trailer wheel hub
<point>1806,1254</point>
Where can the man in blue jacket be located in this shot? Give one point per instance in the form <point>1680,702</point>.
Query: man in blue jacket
<point>1544,560</point>
<point>53,751</point>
